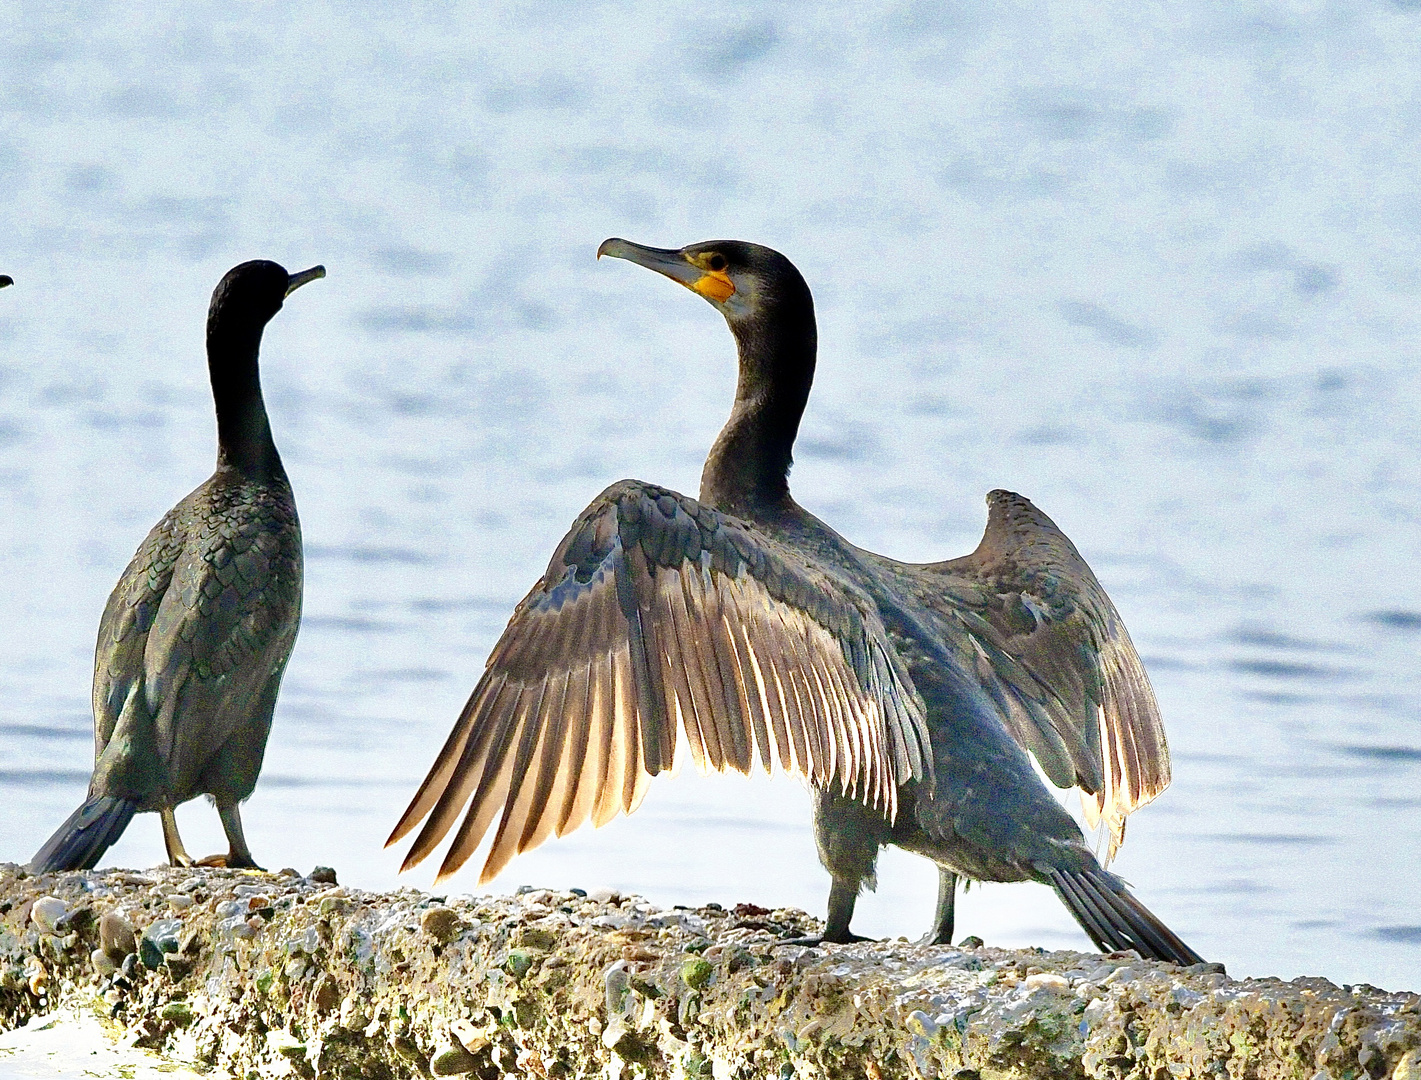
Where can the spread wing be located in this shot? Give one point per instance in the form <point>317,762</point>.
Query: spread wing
<point>656,612</point>
<point>203,617</point>
<point>1054,654</point>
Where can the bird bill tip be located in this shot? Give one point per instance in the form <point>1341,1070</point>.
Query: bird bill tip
<point>613,247</point>
<point>672,263</point>
<point>295,281</point>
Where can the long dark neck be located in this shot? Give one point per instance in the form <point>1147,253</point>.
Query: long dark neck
<point>243,433</point>
<point>747,470</point>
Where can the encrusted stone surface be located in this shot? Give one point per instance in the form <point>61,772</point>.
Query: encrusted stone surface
<point>272,975</point>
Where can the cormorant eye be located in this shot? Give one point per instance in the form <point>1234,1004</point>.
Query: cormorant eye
<point>717,262</point>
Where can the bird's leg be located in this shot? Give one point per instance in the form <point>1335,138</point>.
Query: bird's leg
<point>941,933</point>
<point>848,835</point>
<point>177,854</point>
<point>238,856</point>
<point>842,897</point>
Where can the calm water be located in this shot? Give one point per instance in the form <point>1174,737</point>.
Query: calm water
<point>1156,268</point>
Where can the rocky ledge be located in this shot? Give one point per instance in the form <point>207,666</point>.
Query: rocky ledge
<point>267,975</point>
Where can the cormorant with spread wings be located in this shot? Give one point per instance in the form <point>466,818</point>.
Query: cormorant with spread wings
<point>908,695</point>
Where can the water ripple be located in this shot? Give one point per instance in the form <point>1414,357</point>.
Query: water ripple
<point>43,777</point>
<point>1405,935</point>
<point>1382,753</point>
<point>1396,620</point>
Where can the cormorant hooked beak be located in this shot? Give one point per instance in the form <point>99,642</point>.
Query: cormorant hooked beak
<point>295,281</point>
<point>692,271</point>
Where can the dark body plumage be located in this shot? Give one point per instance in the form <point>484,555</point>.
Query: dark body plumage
<point>909,695</point>
<point>197,632</point>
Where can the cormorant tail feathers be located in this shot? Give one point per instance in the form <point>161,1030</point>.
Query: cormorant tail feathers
<point>82,840</point>
<point>1114,919</point>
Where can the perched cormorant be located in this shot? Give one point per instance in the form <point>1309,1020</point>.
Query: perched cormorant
<point>197,632</point>
<point>908,695</point>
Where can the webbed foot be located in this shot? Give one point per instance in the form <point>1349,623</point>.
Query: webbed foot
<point>826,939</point>
<point>231,861</point>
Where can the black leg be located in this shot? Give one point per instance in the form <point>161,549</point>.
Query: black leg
<point>941,933</point>
<point>842,897</point>
<point>238,856</point>
<point>848,835</point>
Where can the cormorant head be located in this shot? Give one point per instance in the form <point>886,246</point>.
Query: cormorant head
<point>748,283</point>
<point>6,279</point>
<point>250,294</point>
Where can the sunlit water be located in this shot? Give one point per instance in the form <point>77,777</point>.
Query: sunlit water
<point>1157,269</point>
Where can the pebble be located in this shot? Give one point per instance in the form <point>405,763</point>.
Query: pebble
<point>179,901</point>
<point>604,896</point>
<point>920,1023</point>
<point>613,1033</point>
<point>160,938</point>
<point>116,935</point>
<point>323,875</point>
<point>441,923</point>
<point>178,967</point>
<point>696,973</point>
<point>451,1059</point>
<point>353,1014</point>
<point>472,1039</point>
<point>326,993</point>
<point>177,1012</point>
<point>1046,980</point>
<point>101,963</point>
<point>616,983</point>
<point>47,911</point>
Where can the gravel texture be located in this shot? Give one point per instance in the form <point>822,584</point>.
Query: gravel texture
<point>268,975</point>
